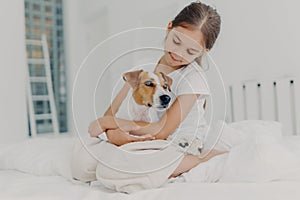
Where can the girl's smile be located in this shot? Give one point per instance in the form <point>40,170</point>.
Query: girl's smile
<point>173,58</point>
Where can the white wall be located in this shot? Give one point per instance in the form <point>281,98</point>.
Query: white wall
<point>83,30</point>
<point>82,33</point>
<point>75,47</point>
<point>258,39</point>
<point>13,118</point>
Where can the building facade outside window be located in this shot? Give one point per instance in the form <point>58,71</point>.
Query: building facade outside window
<point>46,17</point>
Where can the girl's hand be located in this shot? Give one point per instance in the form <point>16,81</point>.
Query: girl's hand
<point>108,122</point>
<point>121,136</point>
<point>96,127</point>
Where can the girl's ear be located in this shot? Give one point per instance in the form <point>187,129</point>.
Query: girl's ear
<point>169,26</point>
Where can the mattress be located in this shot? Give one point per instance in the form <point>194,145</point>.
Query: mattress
<point>40,169</point>
<point>19,185</point>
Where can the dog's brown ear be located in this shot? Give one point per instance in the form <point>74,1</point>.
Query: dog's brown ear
<point>132,77</point>
<point>167,79</point>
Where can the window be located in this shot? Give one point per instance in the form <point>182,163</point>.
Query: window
<point>46,17</point>
<point>37,54</point>
<point>58,11</point>
<point>37,31</point>
<point>36,7</point>
<point>36,19</point>
<point>48,33</point>
<point>59,22</point>
<point>48,9</point>
<point>48,21</point>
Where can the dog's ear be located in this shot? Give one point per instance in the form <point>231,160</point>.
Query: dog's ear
<point>167,79</point>
<point>132,77</point>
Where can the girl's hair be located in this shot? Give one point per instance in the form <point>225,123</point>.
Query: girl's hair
<point>203,17</point>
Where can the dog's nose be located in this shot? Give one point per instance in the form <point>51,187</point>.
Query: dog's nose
<point>165,99</point>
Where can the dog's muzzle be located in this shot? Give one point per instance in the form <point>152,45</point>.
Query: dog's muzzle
<point>164,100</point>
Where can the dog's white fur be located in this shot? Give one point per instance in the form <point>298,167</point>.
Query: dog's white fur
<point>133,111</point>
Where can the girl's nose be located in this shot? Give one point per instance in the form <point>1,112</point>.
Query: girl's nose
<point>179,53</point>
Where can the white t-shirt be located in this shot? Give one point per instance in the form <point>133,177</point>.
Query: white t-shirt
<point>187,80</point>
<point>190,80</point>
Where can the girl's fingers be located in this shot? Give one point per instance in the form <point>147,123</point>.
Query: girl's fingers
<point>133,138</point>
<point>142,138</point>
<point>149,137</point>
<point>129,127</point>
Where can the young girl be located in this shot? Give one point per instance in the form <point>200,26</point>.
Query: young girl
<point>190,35</point>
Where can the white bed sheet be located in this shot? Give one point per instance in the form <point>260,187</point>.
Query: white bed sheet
<point>39,169</point>
<point>16,185</point>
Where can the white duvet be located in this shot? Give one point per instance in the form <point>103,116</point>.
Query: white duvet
<point>262,157</point>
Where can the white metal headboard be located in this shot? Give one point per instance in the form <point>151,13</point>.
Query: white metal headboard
<point>277,100</point>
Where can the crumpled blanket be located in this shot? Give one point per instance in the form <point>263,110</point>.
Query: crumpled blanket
<point>255,154</point>
<point>137,166</point>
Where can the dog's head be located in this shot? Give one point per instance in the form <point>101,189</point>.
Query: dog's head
<point>150,89</point>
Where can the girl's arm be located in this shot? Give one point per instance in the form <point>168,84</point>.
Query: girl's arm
<point>96,127</point>
<point>115,134</point>
<point>108,122</point>
<point>114,107</point>
<point>164,127</point>
<point>171,119</point>
<point>121,136</point>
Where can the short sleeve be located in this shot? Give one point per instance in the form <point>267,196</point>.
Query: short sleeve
<point>193,83</point>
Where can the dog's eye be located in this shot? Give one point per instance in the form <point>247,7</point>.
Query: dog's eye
<point>166,86</point>
<point>149,83</point>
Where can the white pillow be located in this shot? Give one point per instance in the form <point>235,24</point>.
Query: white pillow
<point>258,127</point>
<point>38,156</point>
<point>223,137</point>
<point>261,158</point>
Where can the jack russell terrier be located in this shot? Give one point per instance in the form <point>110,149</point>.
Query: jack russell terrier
<point>150,93</point>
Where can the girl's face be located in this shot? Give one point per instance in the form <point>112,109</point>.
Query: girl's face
<point>182,46</point>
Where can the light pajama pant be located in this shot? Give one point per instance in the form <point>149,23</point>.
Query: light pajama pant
<point>128,169</point>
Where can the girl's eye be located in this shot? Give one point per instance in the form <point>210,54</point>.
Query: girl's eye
<point>149,83</point>
<point>176,42</point>
<point>190,53</point>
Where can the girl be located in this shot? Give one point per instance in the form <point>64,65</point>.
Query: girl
<point>190,35</point>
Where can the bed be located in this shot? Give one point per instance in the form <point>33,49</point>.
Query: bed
<point>39,168</point>
<point>18,185</point>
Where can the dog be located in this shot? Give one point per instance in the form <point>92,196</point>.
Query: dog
<point>150,94</point>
